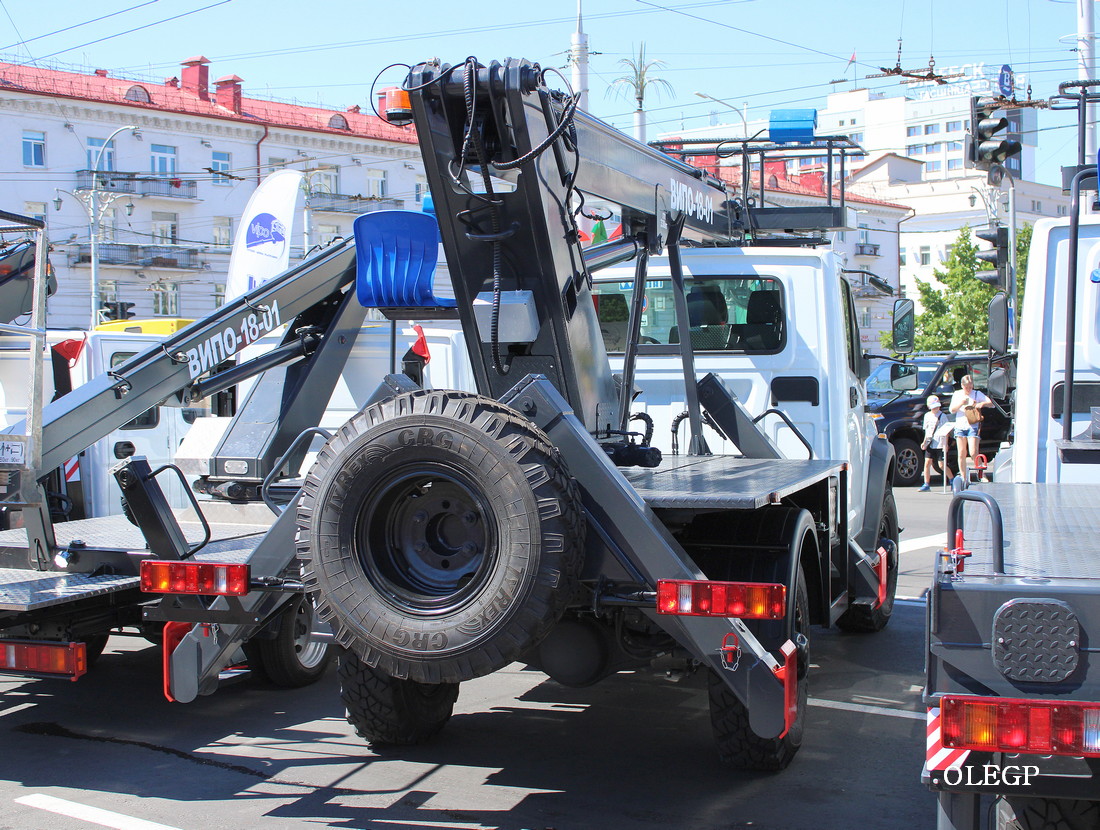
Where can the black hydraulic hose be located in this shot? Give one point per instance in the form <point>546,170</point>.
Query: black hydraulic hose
<point>645,418</point>
<point>676,431</point>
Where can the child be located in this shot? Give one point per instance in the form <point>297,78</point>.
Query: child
<point>934,448</point>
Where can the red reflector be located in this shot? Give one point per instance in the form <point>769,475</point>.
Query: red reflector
<point>1042,727</point>
<point>744,600</point>
<point>209,578</point>
<point>35,657</point>
<point>788,675</point>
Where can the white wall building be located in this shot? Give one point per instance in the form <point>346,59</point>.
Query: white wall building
<point>172,193</point>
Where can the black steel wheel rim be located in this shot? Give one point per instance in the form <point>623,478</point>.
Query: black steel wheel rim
<point>426,539</point>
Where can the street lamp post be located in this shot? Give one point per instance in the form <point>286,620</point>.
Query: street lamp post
<point>94,206</point>
<point>744,120</point>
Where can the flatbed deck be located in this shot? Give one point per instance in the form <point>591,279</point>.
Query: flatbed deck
<point>25,589</point>
<point>1049,531</point>
<point>724,481</point>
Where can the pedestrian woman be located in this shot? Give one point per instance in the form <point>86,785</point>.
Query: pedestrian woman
<point>966,405</point>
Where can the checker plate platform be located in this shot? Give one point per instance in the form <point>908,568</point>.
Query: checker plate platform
<point>23,589</point>
<point>724,481</point>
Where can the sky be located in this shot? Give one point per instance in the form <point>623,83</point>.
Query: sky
<point>763,53</point>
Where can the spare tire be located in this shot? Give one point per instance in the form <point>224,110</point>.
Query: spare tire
<point>442,534</point>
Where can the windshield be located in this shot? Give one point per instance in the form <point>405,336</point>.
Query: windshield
<point>878,382</point>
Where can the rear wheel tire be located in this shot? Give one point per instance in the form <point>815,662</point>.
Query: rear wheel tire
<point>94,646</point>
<point>292,658</point>
<point>864,618</point>
<point>738,744</point>
<point>908,462</point>
<point>389,711</point>
<point>1047,814</point>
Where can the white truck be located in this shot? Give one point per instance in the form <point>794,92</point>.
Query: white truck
<point>1012,687</point>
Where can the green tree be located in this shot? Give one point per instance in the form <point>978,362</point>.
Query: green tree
<point>1023,246</point>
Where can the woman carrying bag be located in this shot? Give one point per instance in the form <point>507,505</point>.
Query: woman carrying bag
<point>966,405</point>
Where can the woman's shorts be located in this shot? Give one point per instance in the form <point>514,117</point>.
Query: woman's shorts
<point>972,431</point>
<point>933,453</point>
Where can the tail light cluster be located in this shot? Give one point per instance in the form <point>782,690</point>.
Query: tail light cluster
<point>206,578</point>
<point>743,600</point>
<point>37,657</point>
<point>1041,727</point>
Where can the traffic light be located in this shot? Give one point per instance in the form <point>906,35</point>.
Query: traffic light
<point>997,257</point>
<point>986,147</point>
<point>117,310</point>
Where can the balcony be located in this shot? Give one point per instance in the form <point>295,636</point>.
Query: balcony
<point>138,184</point>
<point>139,256</point>
<point>342,203</point>
<point>866,249</point>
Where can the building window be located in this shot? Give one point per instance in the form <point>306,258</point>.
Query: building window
<point>219,294</point>
<point>912,131</point>
<point>138,94</point>
<point>163,160</point>
<point>954,126</point>
<point>1063,210</point>
<point>219,163</point>
<point>325,179</point>
<point>376,183</point>
<point>108,225</point>
<point>107,160</point>
<point>34,149</point>
<point>223,231</point>
<point>35,210</point>
<point>933,166</point>
<point>954,146</point>
<point>165,228</point>
<point>1036,206</point>
<point>166,299</point>
<point>947,252</point>
<point>925,255</point>
<point>327,233</point>
<point>274,164</point>
<point>865,319</point>
<point>901,257</point>
<point>931,129</point>
<point>108,291</point>
<point>914,149</point>
<point>338,122</point>
<point>934,147</point>
<point>841,236</point>
<point>420,189</point>
<point>856,138</point>
<point>954,164</point>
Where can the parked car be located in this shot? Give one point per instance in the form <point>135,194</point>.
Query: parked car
<point>900,414</point>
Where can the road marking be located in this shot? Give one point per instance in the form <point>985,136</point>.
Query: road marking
<point>93,815</point>
<point>865,709</point>
<point>936,540</point>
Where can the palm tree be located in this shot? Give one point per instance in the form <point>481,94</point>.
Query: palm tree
<point>638,82</point>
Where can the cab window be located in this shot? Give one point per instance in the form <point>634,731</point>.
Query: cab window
<point>150,417</point>
<point>725,314</point>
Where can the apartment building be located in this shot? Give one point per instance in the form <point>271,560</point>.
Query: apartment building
<point>160,173</point>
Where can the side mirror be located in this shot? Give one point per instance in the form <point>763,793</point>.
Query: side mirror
<point>903,377</point>
<point>998,323</point>
<point>997,385</point>
<point>904,329</point>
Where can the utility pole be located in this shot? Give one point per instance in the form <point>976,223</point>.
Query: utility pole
<point>1086,67</point>
<point>578,57</point>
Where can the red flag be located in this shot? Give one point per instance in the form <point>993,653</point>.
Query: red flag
<point>851,60</point>
<point>420,347</point>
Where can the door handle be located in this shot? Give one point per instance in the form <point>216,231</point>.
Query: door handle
<point>853,397</point>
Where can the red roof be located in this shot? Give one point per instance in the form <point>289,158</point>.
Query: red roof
<point>170,97</point>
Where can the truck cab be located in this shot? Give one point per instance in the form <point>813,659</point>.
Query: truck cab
<point>765,321</point>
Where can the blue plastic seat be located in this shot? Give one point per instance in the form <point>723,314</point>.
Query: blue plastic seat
<point>396,253</point>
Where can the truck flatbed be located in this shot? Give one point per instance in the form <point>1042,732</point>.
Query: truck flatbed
<point>724,481</point>
<point>1049,531</point>
<point>25,589</point>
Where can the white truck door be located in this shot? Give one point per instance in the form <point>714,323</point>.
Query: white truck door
<point>853,400</point>
<point>150,434</point>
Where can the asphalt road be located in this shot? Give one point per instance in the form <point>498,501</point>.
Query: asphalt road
<point>634,751</point>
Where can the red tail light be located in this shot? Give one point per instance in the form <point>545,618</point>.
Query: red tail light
<point>1042,727</point>
<point>211,579</point>
<point>744,600</point>
<point>35,657</point>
